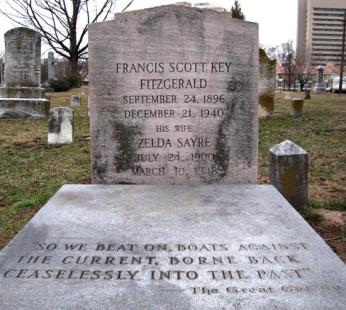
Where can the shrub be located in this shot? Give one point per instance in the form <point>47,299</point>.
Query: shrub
<point>60,85</point>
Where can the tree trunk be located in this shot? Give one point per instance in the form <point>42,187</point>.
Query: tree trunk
<point>74,75</point>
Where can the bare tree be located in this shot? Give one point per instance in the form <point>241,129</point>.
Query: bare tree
<point>286,56</point>
<point>302,71</point>
<point>63,24</point>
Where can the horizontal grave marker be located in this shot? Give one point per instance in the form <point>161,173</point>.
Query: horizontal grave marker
<point>171,101</point>
<point>124,247</point>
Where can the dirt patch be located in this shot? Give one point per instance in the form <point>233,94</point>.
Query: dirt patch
<point>333,235</point>
<point>333,231</point>
<point>330,218</point>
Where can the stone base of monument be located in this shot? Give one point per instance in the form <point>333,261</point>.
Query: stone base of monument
<point>319,88</point>
<point>147,247</point>
<point>23,102</point>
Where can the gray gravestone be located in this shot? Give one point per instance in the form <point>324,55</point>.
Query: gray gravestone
<point>320,87</point>
<point>75,101</point>
<point>21,95</point>
<point>297,105</point>
<point>174,101</point>
<point>60,126</point>
<point>288,172</point>
<point>171,247</point>
<point>51,66</point>
<point>267,83</point>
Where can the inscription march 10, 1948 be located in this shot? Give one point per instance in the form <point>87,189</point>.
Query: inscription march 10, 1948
<point>174,100</point>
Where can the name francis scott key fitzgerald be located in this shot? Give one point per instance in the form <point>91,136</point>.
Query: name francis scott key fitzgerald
<point>176,119</point>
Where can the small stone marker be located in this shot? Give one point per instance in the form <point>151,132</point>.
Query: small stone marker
<point>307,94</point>
<point>267,83</point>
<point>168,248</point>
<point>22,96</point>
<point>167,110</point>
<point>288,172</point>
<point>320,87</point>
<point>297,107</point>
<point>60,126</point>
<point>75,101</point>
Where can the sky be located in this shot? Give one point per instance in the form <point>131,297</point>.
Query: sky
<point>277,19</point>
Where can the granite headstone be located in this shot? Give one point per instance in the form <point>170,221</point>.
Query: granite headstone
<point>60,126</point>
<point>51,66</point>
<point>22,96</point>
<point>289,172</point>
<point>75,101</point>
<point>267,83</point>
<point>174,101</point>
<point>320,86</point>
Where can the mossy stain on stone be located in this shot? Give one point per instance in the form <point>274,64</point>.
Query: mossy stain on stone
<point>125,136</point>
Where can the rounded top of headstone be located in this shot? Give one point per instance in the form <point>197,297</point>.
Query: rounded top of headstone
<point>22,30</point>
<point>60,109</point>
<point>286,148</point>
<point>177,9</point>
<point>320,68</point>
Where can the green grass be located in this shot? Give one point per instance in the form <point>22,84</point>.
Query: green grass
<point>322,133</point>
<point>334,206</point>
<point>32,171</point>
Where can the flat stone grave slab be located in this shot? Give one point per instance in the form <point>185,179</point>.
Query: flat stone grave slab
<point>180,247</point>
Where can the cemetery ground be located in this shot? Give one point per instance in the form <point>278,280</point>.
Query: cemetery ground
<point>31,171</point>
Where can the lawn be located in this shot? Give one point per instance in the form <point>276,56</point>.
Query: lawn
<point>32,171</point>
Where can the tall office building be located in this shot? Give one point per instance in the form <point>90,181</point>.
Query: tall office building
<point>320,26</point>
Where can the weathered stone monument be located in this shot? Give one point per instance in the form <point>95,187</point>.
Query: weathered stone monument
<point>21,96</point>
<point>209,246</point>
<point>267,83</point>
<point>51,66</point>
<point>60,126</point>
<point>176,115</point>
<point>289,172</point>
<point>320,87</point>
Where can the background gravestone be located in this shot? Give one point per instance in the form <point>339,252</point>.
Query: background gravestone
<point>172,102</point>
<point>320,87</point>
<point>60,126</point>
<point>51,66</point>
<point>297,107</point>
<point>267,83</point>
<point>21,95</point>
<point>75,101</point>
